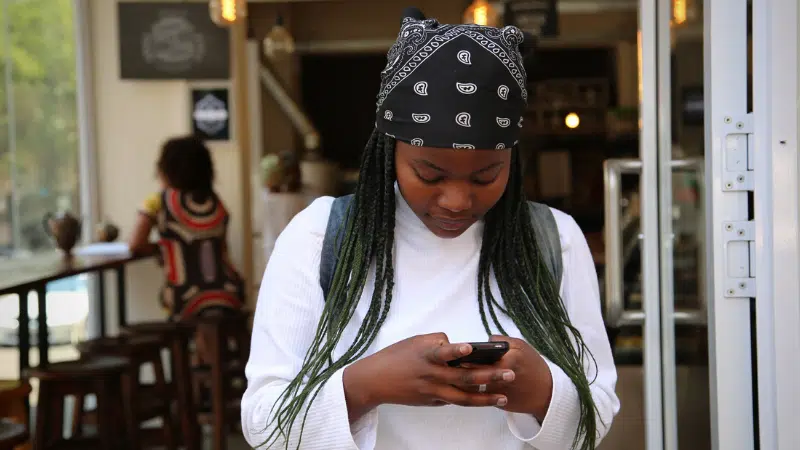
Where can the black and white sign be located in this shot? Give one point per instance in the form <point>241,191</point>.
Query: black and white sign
<point>160,40</point>
<point>211,114</point>
<point>538,17</point>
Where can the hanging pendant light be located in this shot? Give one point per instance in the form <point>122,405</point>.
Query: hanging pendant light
<point>679,12</point>
<point>685,12</point>
<point>227,12</point>
<point>481,12</point>
<point>278,41</point>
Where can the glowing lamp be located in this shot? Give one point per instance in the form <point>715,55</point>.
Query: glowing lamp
<point>227,12</point>
<point>572,120</point>
<point>480,12</point>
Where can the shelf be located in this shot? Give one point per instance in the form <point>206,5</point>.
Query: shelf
<point>568,94</point>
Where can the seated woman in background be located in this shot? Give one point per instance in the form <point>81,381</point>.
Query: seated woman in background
<point>192,224</point>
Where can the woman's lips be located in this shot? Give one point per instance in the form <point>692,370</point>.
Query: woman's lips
<point>451,224</point>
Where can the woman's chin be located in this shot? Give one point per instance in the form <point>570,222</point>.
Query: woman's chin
<point>447,230</point>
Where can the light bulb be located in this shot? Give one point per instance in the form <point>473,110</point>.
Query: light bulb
<point>227,12</point>
<point>278,40</point>
<point>679,11</point>
<point>480,12</point>
<point>572,120</point>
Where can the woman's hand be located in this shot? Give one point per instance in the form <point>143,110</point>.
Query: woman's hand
<point>415,372</point>
<point>531,391</point>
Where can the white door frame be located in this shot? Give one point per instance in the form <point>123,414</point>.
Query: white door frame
<point>87,150</point>
<point>649,214</point>
<point>728,173</point>
<point>777,250</point>
<point>767,257</point>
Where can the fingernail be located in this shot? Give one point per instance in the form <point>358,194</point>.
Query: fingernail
<point>502,401</point>
<point>465,349</point>
<point>508,376</point>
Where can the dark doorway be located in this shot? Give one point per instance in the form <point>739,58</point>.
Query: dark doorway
<point>339,94</point>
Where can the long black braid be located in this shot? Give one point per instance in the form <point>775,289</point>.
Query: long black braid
<point>509,251</point>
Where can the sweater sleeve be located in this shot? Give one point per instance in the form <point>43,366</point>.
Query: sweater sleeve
<point>151,205</point>
<point>289,307</point>
<point>581,296</point>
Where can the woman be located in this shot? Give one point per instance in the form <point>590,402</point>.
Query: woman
<point>439,249</point>
<point>192,225</point>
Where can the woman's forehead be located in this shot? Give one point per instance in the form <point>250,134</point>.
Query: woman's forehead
<point>453,160</point>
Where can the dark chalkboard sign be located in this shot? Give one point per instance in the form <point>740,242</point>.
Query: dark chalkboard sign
<point>160,41</point>
<point>211,114</point>
<point>538,17</point>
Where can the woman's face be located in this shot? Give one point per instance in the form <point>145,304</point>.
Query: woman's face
<point>448,189</point>
<point>162,180</point>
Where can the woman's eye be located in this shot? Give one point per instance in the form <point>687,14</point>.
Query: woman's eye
<point>431,180</point>
<point>428,178</point>
<point>484,182</point>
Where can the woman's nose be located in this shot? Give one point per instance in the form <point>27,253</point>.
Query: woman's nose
<point>455,198</point>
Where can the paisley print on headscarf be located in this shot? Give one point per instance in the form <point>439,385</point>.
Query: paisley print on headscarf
<point>453,86</point>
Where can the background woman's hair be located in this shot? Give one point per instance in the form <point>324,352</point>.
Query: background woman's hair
<point>293,177</point>
<point>509,251</point>
<point>185,163</point>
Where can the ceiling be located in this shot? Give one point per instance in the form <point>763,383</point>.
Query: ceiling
<point>564,6</point>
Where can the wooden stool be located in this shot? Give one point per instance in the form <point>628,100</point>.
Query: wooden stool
<point>141,402</point>
<point>12,434</point>
<point>227,338</point>
<point>103,377</point>
<point>13,394</point>
<point>176,336</point>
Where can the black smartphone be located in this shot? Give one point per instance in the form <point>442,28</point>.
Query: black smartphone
<point>485,353</point>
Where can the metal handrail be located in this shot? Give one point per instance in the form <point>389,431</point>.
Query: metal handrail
<point>618,252</point>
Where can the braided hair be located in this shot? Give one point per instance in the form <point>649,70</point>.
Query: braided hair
<point>509,252</point>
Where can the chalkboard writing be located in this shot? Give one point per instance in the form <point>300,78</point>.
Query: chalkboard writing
<point>160,40</point>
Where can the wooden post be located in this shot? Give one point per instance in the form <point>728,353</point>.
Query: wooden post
<point>242,136</point>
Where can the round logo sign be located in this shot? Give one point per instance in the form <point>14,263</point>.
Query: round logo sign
<point>210,114</point>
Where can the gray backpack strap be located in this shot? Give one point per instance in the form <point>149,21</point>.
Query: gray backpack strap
<point>545,227</point>
<point>332,242</point>
<point>548,240</point>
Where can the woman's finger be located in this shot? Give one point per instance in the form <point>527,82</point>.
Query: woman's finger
<point>454,396</point>
<point>462,377</point>
<point>448,352</point>
<point>489,388</point>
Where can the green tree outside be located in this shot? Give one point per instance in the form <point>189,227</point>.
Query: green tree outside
<point>43,85</point>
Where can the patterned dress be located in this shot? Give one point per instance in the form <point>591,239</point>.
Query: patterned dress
<point>199,275</point>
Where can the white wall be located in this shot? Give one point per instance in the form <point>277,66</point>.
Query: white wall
<point>132,119</point>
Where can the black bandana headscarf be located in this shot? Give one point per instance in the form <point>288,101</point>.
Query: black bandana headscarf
<point>453,86</point>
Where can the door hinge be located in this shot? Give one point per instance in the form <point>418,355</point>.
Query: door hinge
<point>738,162</point>
<point>740,246</point>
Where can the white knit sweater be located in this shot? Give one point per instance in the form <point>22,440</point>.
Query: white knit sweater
<point>435,291</point>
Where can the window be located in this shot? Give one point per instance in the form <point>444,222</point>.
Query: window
<point>39,157</point>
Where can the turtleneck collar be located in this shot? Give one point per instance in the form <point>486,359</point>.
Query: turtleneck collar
<point>409,227</point>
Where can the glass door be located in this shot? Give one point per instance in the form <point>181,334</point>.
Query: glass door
<point>654,299</point>
<point>681,149</point>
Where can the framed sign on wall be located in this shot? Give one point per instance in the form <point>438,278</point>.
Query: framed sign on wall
<point>162,41</point>
<point>538,17</point>
<point>211,114</point>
